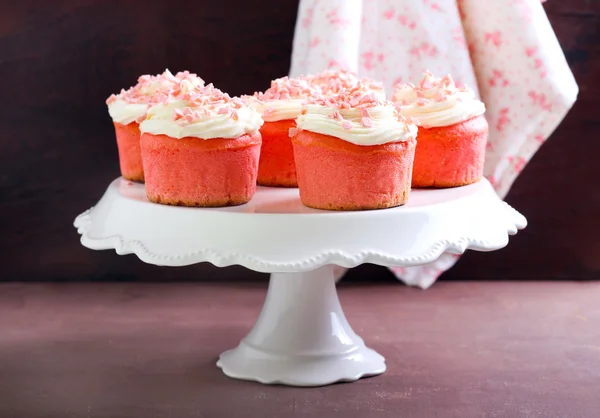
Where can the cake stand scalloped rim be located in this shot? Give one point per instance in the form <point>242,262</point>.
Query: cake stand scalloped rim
<point>224,259</point>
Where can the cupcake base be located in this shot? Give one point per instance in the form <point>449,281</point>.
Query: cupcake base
<point>130,157</point>
<point>200,172</point>
<point>276,167</point>
<point>450,156</point>
<point>334,174</point>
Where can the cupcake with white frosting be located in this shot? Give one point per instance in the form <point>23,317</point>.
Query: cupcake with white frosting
<point>353,151</point>
<point>201,148</point>
<point>279,105</point>
<point>129,107</point>
<point>452,131</point>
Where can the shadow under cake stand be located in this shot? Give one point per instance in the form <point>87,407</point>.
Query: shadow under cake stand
<point>301,336</point>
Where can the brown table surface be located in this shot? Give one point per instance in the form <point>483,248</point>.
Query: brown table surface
<point>460,349</point>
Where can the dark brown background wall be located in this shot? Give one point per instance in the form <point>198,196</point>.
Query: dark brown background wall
<point>59,60</point>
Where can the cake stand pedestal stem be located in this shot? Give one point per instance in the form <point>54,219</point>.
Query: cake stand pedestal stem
<point>302,337</point>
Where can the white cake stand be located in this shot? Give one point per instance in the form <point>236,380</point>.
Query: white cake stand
<point>301,337</point>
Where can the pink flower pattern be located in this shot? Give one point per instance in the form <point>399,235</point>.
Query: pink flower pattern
<point>495,38</point>
<point>506,51</point>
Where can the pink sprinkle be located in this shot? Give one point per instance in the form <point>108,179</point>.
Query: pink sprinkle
<point>365,113</point>
<point>234,116</point>
<point>421,102</point>
<point>447,80</point>
<point>112,98</point>
<point>336,115</point>
<point>223,111</point>
<point>178,114</point>
<point>366,122</point>
<point>347,125</point>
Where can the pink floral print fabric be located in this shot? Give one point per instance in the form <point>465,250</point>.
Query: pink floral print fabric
<point>505,50</point>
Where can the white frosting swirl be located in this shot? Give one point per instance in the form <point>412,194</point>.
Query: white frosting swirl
<point>437,102</point>
<point>160,121</point>
<point>131,105</point>
<point>385,126</point>
<point>276,110</point>
<point>125,113</point>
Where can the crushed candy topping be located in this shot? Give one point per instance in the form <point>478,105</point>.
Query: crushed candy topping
<point>286,88</point>
<point>208,101</point>
<point>443,88</point>
<point>335,81</point>
<point>159,88</point>
<point>358,97</point>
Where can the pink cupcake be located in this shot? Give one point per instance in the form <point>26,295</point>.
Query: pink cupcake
<point>452,131</point>
<point>128,108</point>
<point>201,148</point>
<point>279,105</point>
<point>353,151</point>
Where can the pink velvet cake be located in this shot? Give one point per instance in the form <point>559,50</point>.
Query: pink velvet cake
<point>353,151</point>
<point>450,156</point>
<point>276,167</point>
<point>129,107</point>
<point>280,105</point>
<point>130,156</point>
<point>193,172</point>
<point>452,133</point>
<point>201,148</point>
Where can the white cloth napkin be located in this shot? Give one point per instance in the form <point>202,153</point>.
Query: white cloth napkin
<point>505,50</point>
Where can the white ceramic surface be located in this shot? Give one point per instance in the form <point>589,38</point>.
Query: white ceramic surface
<point>302,337</point>
<point>276,233</point>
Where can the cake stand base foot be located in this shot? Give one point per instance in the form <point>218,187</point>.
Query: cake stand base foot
<point>301,337</point>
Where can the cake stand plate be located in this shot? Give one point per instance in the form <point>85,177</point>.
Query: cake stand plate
<point>301,337</point>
